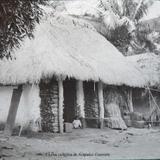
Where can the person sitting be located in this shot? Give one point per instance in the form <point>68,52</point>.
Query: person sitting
<point>77,123</point>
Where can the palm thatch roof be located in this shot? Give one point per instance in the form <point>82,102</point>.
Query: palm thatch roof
<point>150,65</point>
<point>68,47</point>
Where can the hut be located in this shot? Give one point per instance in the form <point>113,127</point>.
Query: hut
<point>60,74</point>
<point>146,100</point>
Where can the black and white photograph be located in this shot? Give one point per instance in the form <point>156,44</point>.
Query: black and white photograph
<point>79,79</point>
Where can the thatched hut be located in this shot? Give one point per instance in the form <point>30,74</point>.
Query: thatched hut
<point>62,71</point>
<point>146,100</point>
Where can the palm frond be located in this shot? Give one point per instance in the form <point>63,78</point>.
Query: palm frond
<point>128,8</point>
<point>141,9</point>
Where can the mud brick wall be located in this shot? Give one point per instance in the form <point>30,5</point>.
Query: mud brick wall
<point>91,104</point>
<point>49,105</point>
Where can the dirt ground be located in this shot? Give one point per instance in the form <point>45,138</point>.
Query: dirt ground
<point>84,144</point>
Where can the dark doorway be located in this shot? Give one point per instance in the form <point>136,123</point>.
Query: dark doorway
<point>141,101</point>
<point>69,100</point>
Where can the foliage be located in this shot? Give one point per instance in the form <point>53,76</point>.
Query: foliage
<point>130,11</point>
<point>142,39</point>
<point>126,32</point>
<point>120,38</point>
<point>17,20</point>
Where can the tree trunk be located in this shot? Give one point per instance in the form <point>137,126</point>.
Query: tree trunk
<point>80,98</point>
<point>101,103</point>
<point>16,96</point>
<point>130,101</point>
<point>60,109</point>
<point>80,101</point>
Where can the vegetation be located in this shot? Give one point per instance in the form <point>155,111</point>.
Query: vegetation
<point>119,21</point>
<point>127,31</point>
<point>17,20</point>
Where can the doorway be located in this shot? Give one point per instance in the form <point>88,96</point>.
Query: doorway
<point>69,100</point>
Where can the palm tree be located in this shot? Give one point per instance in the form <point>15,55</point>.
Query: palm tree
<point>121,19</point>
<point>118,21</point>
<point>17,20</point>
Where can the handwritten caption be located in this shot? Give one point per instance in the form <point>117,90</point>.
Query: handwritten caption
<point>81,154</point>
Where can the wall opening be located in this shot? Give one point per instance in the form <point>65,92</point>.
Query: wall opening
<point>69,100</point>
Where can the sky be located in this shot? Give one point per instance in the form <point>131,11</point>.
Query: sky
<point>80,7</point>
<point>154,11</point>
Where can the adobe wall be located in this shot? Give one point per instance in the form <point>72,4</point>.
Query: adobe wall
<point>28,108</point>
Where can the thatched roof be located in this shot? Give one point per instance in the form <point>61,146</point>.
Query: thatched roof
<point>72,48</point>
<point>150,65</point>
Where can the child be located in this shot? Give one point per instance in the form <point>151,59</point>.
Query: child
<point>77,123</point>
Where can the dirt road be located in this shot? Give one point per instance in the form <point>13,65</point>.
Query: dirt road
<point>85,144</point>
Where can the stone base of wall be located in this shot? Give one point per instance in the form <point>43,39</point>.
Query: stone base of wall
<point>49,105</point>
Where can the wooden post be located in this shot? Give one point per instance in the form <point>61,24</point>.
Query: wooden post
<point>80,100</point>
<point>130,100</point>
<point>101,104</point>
<point>60,110</point>
<point>16,96</point>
